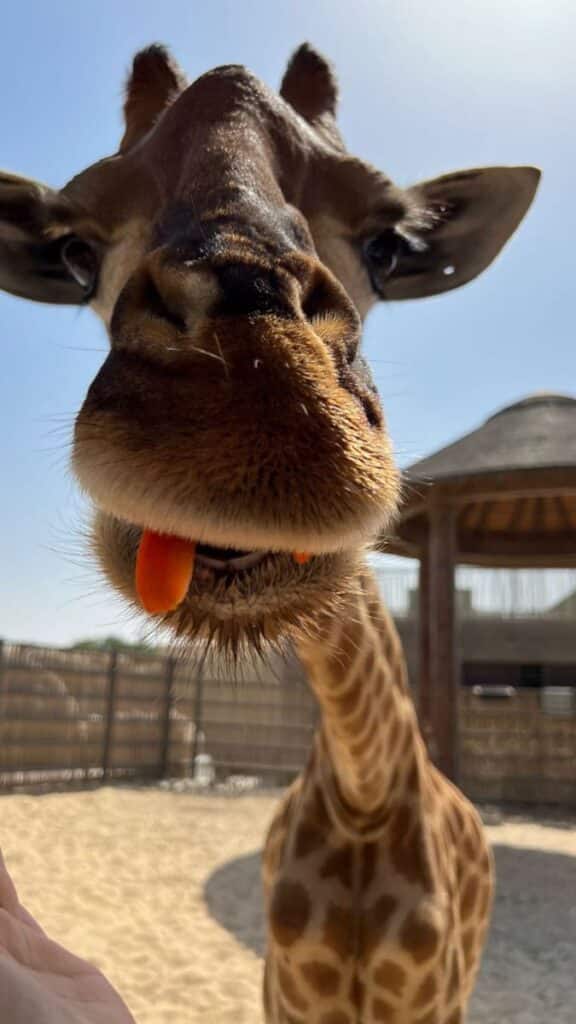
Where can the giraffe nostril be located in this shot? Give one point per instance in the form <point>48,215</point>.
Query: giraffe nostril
<point>318,300</point>
<point>158,306</point>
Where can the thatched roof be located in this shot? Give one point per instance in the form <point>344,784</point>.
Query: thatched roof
<point>512,484</point>
<point>538,432</point>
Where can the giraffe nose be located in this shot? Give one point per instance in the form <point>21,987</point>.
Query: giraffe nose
<point>169,295</point>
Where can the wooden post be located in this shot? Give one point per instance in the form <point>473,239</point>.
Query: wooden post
<point>443,682</point>
<point>198,711</point>
<point>424,692</point>
<point>1,671</point>
<point>110,710</point>
<point>169,697</point>
<point>2,701</point>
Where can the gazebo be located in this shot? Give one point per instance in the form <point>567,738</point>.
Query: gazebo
<point>502,496</point>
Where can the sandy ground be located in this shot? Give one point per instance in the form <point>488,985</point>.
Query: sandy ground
<point>162,891</point>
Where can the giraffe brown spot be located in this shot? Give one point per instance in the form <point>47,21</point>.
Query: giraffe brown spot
<point>458,820</point>
<point>369,663</point>
<point>426,991</point>
<point>289,912</point>
<point>454,982</point>
<point>290,990</point>
<point>396,744</point>
<point>335,1017</point>
<point>390,976</point>
<point>469,947</point>
<point>408,849</point>
<point>368,864</point>
<point>470,849</point>
<point>375,922</point>
<point>318,810</point>
<point>394,726</point>
<point>469,898</point>
<point>358,724</point>
<point>400,824</point>
<point>324,979</point>
<point>382,1011</point>
<point>364,746</point>
<point>440,847</point>
<point>339,931</point>
<point>385,705</point>
<point>420,935</point>
<point>340,865</point>
<point>344,655</point>
<point>350,702</point>
<point>486,863</point>
<point>428,1018</point>
<point>370,787</point>
<point>456,1018</point>
<point>289,1018</point>
<point>413,779</point>
<point>484,901</point>
<point>408,740</point>
<point>308,839</point>
<point>357,993</point>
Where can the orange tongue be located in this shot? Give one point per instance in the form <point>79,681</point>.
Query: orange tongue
<point>164,568</point>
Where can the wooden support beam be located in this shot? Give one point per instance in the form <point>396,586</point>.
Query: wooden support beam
<point>424,692</point>
<point>443,681</point>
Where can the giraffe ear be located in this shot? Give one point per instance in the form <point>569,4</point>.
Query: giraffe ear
<point>309,84</point>
<point>154,81</point>
<point>467,218</point>
<point>36,233</point>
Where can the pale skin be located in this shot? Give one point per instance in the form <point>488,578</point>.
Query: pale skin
<point>41,982</point>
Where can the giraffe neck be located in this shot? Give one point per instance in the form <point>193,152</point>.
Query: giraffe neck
<point>369,747</point>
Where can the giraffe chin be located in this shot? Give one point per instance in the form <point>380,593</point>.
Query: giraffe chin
<point>240,601</point>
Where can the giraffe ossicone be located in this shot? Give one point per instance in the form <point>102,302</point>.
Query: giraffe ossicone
<point>232,247</point>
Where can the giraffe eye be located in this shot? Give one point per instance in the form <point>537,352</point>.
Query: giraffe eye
<point>381,252</point>
<point>81,261</point>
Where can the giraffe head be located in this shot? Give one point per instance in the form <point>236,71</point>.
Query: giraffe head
<point>232,247</point>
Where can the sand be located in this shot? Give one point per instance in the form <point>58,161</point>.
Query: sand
<point>161,890</point>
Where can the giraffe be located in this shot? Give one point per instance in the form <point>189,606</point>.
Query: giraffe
<point>377,874</point>
<point>232,247</point>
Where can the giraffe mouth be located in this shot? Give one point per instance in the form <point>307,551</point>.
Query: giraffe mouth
<point>236,598</point>
<point>168,566</point>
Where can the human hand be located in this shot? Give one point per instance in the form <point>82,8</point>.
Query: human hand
<point>40,981</point>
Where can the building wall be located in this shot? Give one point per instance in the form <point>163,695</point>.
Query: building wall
<point>520,641</point>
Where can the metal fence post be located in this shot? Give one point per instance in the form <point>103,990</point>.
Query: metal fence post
<point>1,671</point>
<point>169,699</point>
<point>2,702</point>
<point>110,710</point>
<point>198,710</point>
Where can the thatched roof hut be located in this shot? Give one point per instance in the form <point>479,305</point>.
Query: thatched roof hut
<point>502,495</point>
<point>512,483</point>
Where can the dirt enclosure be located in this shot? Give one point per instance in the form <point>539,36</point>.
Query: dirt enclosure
<point>161,889</point>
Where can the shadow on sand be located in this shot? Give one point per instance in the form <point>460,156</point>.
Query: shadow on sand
<point>528,968</point>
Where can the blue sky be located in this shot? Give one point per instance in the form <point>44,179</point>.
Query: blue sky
<point>426,88</point>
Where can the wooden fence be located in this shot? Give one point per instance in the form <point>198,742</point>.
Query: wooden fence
<point>72,716</point>
<point>514,750</point>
